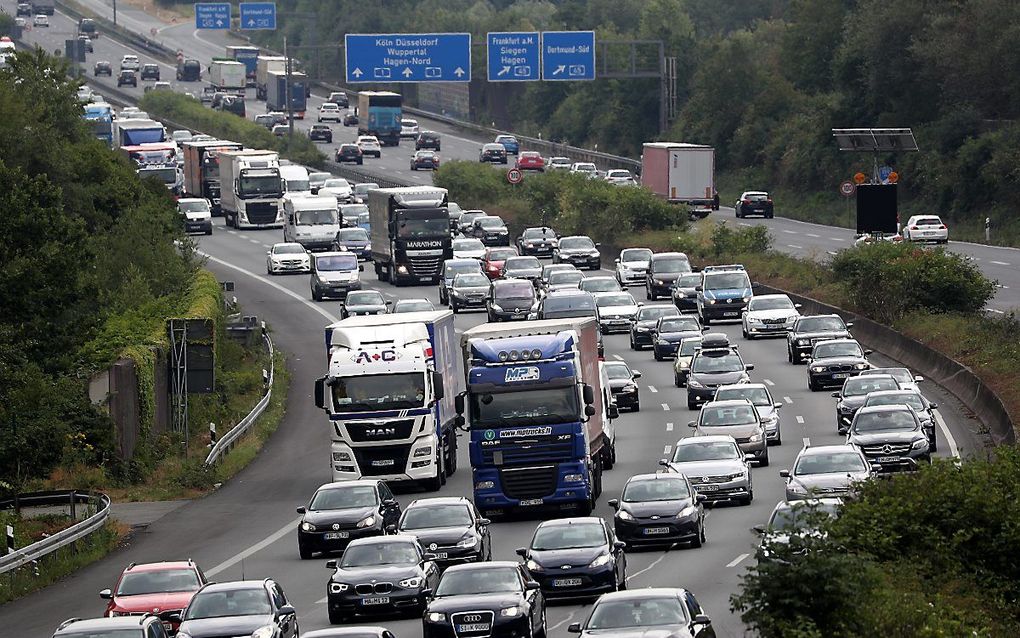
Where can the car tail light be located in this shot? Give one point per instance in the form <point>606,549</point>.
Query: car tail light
<point>913,228</point>
<point>746,201</point>
<point>943,227</point>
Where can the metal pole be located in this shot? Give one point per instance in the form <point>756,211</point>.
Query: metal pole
<point>114,12</point>
<point>663,87</point>
<point>287,96</point>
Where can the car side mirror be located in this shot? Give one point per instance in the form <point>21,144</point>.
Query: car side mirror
<point>705,328</point>
<point>426,592</point>
<point>287,610</point>
<point>808,361</point>
<point>331,564</point>
<point>876,467</point>
<point>797,306</point>
<point>777,405</point>
<point>574,628</point>
<point>636,375</point>
<point>106,594</point>
<point>867,352</point>
<point>391,529</point>
<point>484,521</point>
<point>784,473</point>
<point>702,619</point>
<point>933,406</point>
<point>619,544</point>
<point>616,261</point>
<point>302,510</point>
<point>389,303</point>
<point>699,289</point>
<point>835,395</point>
<point>521,551</point>
<point>389,502</point>
<point>749,367</point>
<point>598,244</point>
<point>614,503</point>
<point>758,529</point>
<point>849,324</point>
<point>692,424</point>
<point>175,616</point>
<point>755,284</point>
<point>532,585</point>
<point>700,498</point>
<point>428,557</point>
<point>918,378</point>
<point>663,462</point>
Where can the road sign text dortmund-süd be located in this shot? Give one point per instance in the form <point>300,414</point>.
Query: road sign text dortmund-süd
<point>257,15</point>
<point>415,57</point>
<point>568,55</point>
<point>212,15</point>
<point>513,57</point>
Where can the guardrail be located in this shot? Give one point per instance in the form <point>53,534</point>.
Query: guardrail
<point>76,532</point>
<point>223,445</point>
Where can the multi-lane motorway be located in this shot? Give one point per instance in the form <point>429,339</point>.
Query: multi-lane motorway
<point>248,527</point>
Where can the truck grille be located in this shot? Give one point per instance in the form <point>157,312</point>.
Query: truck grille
<point>528,482</point>
<point>382,459</point>
<point>367,431</point>
<point>261,212</point>
<point>425,266</point>
<point>540,450</point>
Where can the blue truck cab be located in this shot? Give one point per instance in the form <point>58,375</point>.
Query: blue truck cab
<point>538,409</point>
<point>723,294</point>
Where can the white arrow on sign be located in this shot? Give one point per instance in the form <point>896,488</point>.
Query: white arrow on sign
<point>458,72</point>
<point>503,71</point>
<point>357,72</point>
<point>408,72</point>
<point>560,69</point>
<point>251,23</point>
<point>219,23</point>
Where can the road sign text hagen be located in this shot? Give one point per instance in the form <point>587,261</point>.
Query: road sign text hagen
<point>513,49</point>
<point>403,51</point>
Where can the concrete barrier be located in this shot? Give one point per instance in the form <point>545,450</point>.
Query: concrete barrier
<point>952,375</point>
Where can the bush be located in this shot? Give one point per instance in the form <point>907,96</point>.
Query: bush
<point>191,113</point>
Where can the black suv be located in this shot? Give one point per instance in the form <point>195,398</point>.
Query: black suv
<point>24,9</point>
<point>321,133</point>
<point>538,241</point>
<point>891,437</point>
<point>102,67</point>
<point>150,72</point>
<point>349,153</point>
<point>810,329</point>
<point>854,395</point>
<point>663,271</point>
<point>339,98</point>
<point>428,139</point>
<point>834,361</point>
<point>127,76</point>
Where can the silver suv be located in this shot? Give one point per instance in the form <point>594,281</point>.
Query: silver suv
<point>715,466</point>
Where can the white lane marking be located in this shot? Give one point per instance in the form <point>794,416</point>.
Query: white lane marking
<point>736,561</point>
<point>831,252</point>
<point>837,239</point>
<point>999,263</point>
<point>789,232</point>
<point>800,419</point>
<point>322,601</point>
<point>255,241</point>
<point>955,451</point>
<point>242,235</point>
<point>812,235</point>
<point>564,621</point>
<point>769,381</point>
<point>807,442</point>
<point>667,449</point>
<point>669,427</point>
<point>795,246</point>
<point>650,567</point>
<point>618,357</point>
<point>286,291</point>
<point>788,399</point>
<point>257,547</point>
<point>995,311</point>
<point>652,389</point>
<point>743,223</point>
<point>665,407</point>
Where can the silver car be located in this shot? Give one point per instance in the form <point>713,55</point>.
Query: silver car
<point>616,311</point>
<point>600,283</point>
<point>826,471</point>
<point>769,315</point>
<point>739,419</point>
<point>632,266</point>
<point>468,248</point>
<point>715,466</point>
<point>759,396</point>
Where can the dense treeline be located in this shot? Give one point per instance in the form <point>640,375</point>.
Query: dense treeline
<point>87,250</point>
<point>762,80</point>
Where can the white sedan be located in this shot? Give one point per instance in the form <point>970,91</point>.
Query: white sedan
<point>287,257</point>
<point>337,187</point>
<point>468,248</point>
<point>769,315</point>
<point>926,228</point>
<point>41,20</point>
<point>369,145</point>
<point>330,112</point>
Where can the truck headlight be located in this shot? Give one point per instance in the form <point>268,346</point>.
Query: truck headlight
<point>485,485</point>
<point>423,451</point>
<point>368,521</point>
<point>402,270</point>
<point>573,478</point>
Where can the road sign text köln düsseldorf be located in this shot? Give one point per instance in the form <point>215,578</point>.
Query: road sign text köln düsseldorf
<point>568,55</point>
<point>212,15</point>
<point>513,57</point>
<point>258,16</point>
<point>415,57</point>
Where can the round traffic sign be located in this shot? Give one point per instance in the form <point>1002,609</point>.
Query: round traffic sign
<point>859,178</point>
<point>847,188</point>
<point>892,177</point>
<point>514,176</point>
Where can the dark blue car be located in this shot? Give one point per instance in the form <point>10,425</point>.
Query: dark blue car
<point>510,143</point>
<point>576,558</point>
<point>354,240</point>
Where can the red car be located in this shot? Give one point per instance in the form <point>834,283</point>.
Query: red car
<point>492,263</point>
<point>530,161</point>
<point>155,588</point>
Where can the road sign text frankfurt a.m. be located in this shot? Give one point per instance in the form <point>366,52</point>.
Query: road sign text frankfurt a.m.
<point>212,15</point>
<point>513,57</point>
<point>420,57</point>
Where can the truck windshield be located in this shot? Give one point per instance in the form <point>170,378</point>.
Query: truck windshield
<point>379,392</point>
<point>528,407</point>
<point>424,224</point>
<point>165,175</point>
<point>259,185</point>
<point>312,217</point>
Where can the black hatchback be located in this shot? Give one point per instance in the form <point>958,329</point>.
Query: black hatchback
<point>349,153</point>
<point>320,133</point>
<point>150,72</point>
<point>341,512</point>
<point>127,76</point>
<point>657,509</point>
<point>428,140</point>
<point>102,67</point>
<point>576,557</point>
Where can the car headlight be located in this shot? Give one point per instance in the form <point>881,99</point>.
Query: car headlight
<point>796,487</point>
<point>625,515</point>
<point>510,612</point>
<point>642,329</point>
<point>496,307</point>
<point>411,583</point>
<point>307,527</point>
<point>685,364</point>
<point>687,512</point>
<point>861,366</point>
<point>630,387</point>
<point>817,369</point>
<point>739,475</point>
<point>334,588</point>
<point>753,320</point>
<point>661,342</point>
<point>920,444</point>
<point>694,383</point>
<point>533,566</point>
<point>469,541</point>
<point>802,342</point>
<point>660,281</point>
<point>755,438</point>
<point>709,301</point>
<point>435,616</point>
<point>485,485</point>
<point>746,298</point>
<point>368,521</point>
<point>529,244</point>
<point>267,631</point>
<point>600,560</point>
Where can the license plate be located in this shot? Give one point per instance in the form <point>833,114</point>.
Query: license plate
<point>532,501</point>
<point>440,555</point>
<point>332,536</point>
<point>656,530</point>
<point>566,582</point>
<point>730,314</point>
<point>380,600</point>
<point>167,626</point>
<point>475,626</point>
<point>706,488</point>
<point>518,316</point>
<point>841,375</point>
<point>424,278</point>
<point>886,459</point>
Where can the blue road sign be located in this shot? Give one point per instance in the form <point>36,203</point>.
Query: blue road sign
<point>408,57</point>
<point>513,57</point>
<point>884,173</point>
<point>258,15</point>
<point>568,55</point>
<point>212,15</point>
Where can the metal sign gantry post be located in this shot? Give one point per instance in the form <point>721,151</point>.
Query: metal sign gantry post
<point>178,330</point>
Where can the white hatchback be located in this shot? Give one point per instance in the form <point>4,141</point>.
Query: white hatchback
<point>926,228</point>
<point>468,248</point>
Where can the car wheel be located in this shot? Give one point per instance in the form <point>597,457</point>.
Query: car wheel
<point>812,385</point>
<point>700,538</point>
<point>656,355</point>
<point>306,554</point>
<point>692,406</point>
<point>209,232</point>
<point>336,617</point>
<point>764,461</point>
<point>743,332</point>
<point>789,354</point>
<point>316,295</point>
<point>633,344</point>
<point>676,380</point>
<point>637,405</point>
<point>747,500</point>
<point>769,216</point>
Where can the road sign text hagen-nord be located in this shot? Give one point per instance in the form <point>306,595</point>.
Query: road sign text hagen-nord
<point>443,57</point>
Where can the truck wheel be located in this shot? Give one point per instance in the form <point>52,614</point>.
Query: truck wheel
<point>451,449</point>
<point>611,457</point>
<point>435,483</point>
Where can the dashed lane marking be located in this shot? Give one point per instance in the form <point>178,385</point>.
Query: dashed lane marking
<point>812,235</point>
<point>831,252</point>
<point>667,449</point>
<point>837,239</point>
<point>669,427</point>
<point>665,407</point>
<point>795,246</point>
<point>999,263</point>
<point>736,561</point>
<point>807,442</point>
<point>789,232</point>
<point>788,399</point>
<point>618,357</point>
<point>652,389</point>
<point>769,382</point>
<point>257,547</point>
<point>800,419</point>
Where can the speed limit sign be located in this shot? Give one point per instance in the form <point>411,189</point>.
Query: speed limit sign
<point>847,188</point>
<point>514,176</point>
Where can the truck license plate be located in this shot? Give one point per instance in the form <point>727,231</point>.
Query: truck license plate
<point>656,530</point>
<point>566,582</point>
<point>531,501</point>
<point>380,600</point>
<point>332,536</point>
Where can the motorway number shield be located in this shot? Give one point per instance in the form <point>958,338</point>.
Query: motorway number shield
<point>475,626</point>
<point>532,501</point>
<point>566,582</point>
<point>333,536</point>
<point>379,600</point>
<point>656,530</point>
<point>841,375</point>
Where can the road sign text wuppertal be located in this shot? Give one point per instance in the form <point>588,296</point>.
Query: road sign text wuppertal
<point>212,15</point>
<point>258,15</point>
<point>418,57</point>
<point>513,57</point>
<point>568,55</point>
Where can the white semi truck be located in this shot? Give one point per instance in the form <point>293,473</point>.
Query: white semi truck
<point>250,189</point>
<point>390,395</point>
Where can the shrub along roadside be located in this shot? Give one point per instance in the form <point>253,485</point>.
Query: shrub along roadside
<point>191,113</point>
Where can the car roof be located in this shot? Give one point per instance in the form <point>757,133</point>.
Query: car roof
<point>873,409</point>
<point>888,393</point>
<point>357,483</point>
<point>668,255</point>
<point>819,450</point>
<point>575,520</point>
<point>731,386</point>
<point>638,594</point>
<point>160,566</point>
<point>840,340</point>
<point>594,277</point>
<point>755,192</point>
<point>460,260</point>
<point>778,296</point>
<point>708,438</point>
<point>821,316</point>
<point>80,625</point>
<point>568,293</point>
<point>385,539</point>
<point>439,500</point>
<point>234,585</point>
<point>289,243</point>
<point>483,565</point>
<point>727,403</point>
<point>331,253</point>
<point>871,377</point>
<point>657,476</point>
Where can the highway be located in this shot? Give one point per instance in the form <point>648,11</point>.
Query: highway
<point>247,528</point>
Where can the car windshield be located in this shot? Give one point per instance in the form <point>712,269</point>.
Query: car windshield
<point>353,234</point>
<point>317,217</point>
<point>726,281</point>
<point>154,582</point>
<point>568,536</point>
<point>845,349</point>
<point>890,421</point>
<point>103,633</point>
<point>420,305</point>
<point>717,363</point>
<point>679,324</point>
<point>365,298</point>
<point>801,515</point>
<point>565,277</point>
<point>371,554</point>
<point>437,516</point>
<point>757,396</point>
<point>638,612</point>
<point>689,281</point>
<point>618,370</point>
<point>484,580</point>
<point>609,300</point>
<point>724,416</point>
<point>820,324</point>
<point>832,463</point>
<point>911,399</point>
<point>671,265</point>
<point>902,375</point>
<point>859,386</point>
<point>522,263</point>
<point>222,604</point>
<point>660,489</point>
<point>336,263</point>
<point>339,498</point>
<point>706,451</point>
<point>770,303</point>
<point>536,406</point>
<point>471,280</point>
<point>577,243</point>
<point>490,222</point>
<point>454,269</point>
<point>501,254</point>
<point>599,284</point>
<point>649,313</point>
<point>636,254</point>
<point>193,206</point>
<point>928,221</point>
<point>468,244</point>
<point>514,290</point>
<point>539,233</point>
<point>379,392</point>
<point>688,347</point>
<point>582,305</point>
<point>288,249</point>
<point>339,183</point>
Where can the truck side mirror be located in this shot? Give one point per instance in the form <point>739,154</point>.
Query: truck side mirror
<point>614,411</point>
<point>588,394</point>
<point>437,386</point>
<point>320,393</point>
<point>458,404</point>
<point>589,410</point>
